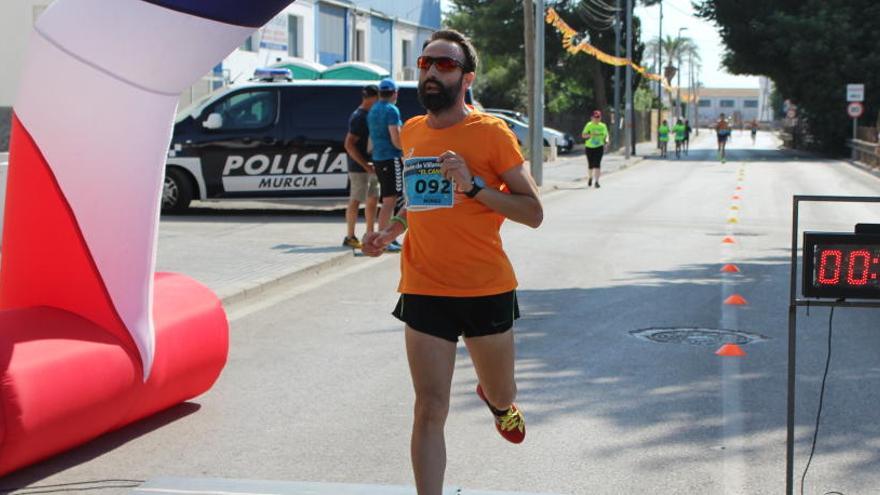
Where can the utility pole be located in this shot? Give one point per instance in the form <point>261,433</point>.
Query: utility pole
<point>691,99</point>
<point>529,34</point>
<point>678,82</point>
<point>660,71</point>
<point>628,134</point>
<point>537,122</point>
<point>615,141</point>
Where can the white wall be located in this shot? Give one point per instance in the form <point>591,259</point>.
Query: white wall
<point>362,22</point>
<point>403,32</point>
<point>241,64</point>
<point>16,21</point>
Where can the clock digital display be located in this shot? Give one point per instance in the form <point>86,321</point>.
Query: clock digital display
<point>841,265</point>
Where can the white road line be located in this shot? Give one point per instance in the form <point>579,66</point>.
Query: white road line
<point>199,492</point>
<point>734,464</point>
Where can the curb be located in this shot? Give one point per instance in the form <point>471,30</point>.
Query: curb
<point>864,167</point>
<point>342,260</point>
<point>555,186</point>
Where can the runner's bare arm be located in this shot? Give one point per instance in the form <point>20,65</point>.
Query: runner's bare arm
<point>521,205</point>
<point>374,243</point>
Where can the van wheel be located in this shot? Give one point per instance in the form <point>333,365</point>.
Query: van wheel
<point>177,191</point>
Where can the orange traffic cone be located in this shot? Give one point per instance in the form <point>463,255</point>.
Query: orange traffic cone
<point>730,268</point>
<point>736,300</point>
<point>728,240</point>
<point>730,350</point>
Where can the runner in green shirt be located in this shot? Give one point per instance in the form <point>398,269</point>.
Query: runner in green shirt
<point>680,133</point>
<point>596,135</point>
<point>663,137</point>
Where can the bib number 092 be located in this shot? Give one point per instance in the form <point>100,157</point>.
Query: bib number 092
<point>432,186</point>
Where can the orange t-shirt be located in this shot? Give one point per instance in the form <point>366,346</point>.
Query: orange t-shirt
<point>457,251</point>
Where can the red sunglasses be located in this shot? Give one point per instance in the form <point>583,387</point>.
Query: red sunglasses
<point>443,64</point>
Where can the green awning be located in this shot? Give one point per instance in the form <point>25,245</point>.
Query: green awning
<point>356,71</point>
<point>301,69</point>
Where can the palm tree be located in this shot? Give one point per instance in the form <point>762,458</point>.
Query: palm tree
<point>674,50</point>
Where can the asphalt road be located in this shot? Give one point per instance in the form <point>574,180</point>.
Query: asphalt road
<point>317,386</point>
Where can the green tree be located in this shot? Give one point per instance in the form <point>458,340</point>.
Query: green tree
<point>810,49</point>
<point>675,50</point>
<point>574,84</point>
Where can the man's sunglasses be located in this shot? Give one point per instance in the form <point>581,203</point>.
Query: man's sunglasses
<point>443,64</point>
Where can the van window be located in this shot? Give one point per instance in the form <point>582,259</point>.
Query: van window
<point>320,112</point>
<point>246,110</point>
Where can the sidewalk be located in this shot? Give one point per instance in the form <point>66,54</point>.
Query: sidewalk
<point>243,249</point>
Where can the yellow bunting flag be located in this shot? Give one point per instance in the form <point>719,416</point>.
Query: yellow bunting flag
<point>568,34</point>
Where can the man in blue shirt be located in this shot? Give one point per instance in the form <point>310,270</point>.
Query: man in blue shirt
<point>384,122</point>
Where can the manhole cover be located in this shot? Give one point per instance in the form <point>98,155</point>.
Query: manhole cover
<point>697,336</point>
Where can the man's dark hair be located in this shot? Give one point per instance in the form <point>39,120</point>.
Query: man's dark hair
<point>470,53</point>
<point>370,90</point>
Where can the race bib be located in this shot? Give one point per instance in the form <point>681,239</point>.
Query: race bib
<point>424,187</point>
<point>595,141</point>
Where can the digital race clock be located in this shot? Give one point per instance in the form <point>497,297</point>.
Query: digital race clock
<point>841,265</point>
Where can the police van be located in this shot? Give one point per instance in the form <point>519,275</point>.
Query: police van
<point>268,141</point>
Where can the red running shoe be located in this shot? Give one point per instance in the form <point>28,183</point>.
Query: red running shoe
<point>511,425</point>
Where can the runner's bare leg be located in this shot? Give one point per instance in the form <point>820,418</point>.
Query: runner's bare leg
<point>370,211</point>
<point>431,363</point>
<point>493,358</point>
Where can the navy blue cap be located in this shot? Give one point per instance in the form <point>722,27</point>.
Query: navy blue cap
<point>387,85</point>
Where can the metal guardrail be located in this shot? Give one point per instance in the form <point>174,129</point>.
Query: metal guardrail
<point>865,152</point>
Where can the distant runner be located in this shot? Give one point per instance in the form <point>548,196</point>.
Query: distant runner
<point>596,135</point>
<point>680,134</point>
<point>687,136</point>
<point>722,128</point>
<point>663,137</point>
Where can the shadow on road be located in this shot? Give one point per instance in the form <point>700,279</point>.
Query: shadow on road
<point>103,444</point>
<point>576,358</point>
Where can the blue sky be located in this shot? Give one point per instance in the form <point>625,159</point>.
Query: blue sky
<point>679,13</point>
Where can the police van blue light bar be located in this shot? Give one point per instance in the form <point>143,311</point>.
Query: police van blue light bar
<point>273,74</point>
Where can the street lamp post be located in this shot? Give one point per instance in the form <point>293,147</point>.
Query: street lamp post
<point>660,71</point>
<point>628,131</point>
<point>678,82</point>
<point>615,136</point>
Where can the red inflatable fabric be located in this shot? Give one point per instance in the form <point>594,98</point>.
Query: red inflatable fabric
<point>66,380</point>
<point>69,369</point>
<point>42,241</point>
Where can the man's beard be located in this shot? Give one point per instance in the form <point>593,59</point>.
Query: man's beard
<point>445,98</point>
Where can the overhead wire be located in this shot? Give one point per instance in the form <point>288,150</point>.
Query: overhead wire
<point>597,14</point>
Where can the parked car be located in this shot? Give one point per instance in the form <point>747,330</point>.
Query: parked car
<point>564,140</point>
<point>268,140</point>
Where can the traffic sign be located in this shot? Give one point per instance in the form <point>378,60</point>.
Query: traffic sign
<point>855,109</point>
<point>855,92</point>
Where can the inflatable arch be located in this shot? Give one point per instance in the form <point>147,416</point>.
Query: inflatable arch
<point>90,338</point>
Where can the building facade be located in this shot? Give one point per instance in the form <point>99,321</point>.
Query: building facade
<point>386,33</point>
<point>739,104</point>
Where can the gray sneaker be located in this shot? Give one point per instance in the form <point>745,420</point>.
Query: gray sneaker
<point>394,247</point>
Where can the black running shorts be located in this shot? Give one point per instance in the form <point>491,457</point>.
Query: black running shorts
<point>390,174</point>
<point>594,156</point>
<point>449,317</point>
